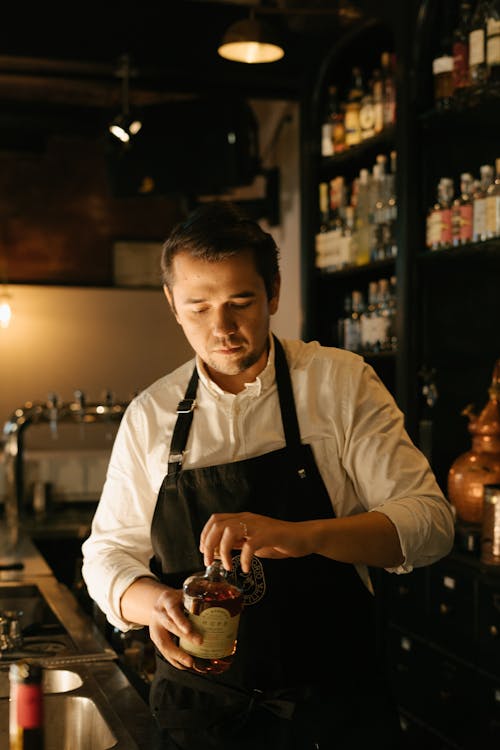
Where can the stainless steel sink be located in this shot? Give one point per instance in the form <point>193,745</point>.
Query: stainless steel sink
<point>71,723</point>
<point>98,710</point>
<point>54,681</point>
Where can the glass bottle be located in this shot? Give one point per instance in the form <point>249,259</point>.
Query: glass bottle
<point>477,45</point>
<point>493,44</point>
<point>460,49</point>
<point>26,721</point>
<point>479,226</point>
<point>352,324</point>
<point>445,198</point>
<point>493,205</point>
<point>367,113</point>
<point>461,212</point>
<point>377,86</point>
<point>367,319</point>
<point>333,120</point>
<point>352,110</point>
<point>213,605</point>
<point>387,61</point>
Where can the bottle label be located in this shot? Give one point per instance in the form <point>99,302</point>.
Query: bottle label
<point>493,215</point>
<point>476,47</point>
<point>28,701</point>
<point>479,222</point>
<point>493,49</point>
<point>460,65</point>
<point>219,631</point>
<point>352,126</point>
<point>445,233</point>
<point>466,223</point>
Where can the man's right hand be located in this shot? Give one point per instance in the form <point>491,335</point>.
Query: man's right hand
<point>168,620</point>
<point>149,602</point>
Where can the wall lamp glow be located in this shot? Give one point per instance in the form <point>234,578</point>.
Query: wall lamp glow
<point>5,309</point>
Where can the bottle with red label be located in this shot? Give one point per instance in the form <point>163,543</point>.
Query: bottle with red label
<point>26,725</point>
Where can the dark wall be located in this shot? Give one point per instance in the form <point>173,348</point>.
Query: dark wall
<point>59,219</point>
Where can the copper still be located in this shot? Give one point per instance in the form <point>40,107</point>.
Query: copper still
<point>481,465</point>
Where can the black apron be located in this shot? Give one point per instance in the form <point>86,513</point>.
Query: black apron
<point>305,669</point>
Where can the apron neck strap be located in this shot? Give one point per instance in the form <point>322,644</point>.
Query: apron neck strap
<point>185,410</point>
<point>287,406</point>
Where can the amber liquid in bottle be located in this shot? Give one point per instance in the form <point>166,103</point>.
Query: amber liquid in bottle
<point>213,605</point>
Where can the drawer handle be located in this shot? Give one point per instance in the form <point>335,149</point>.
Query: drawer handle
<point>444,609</point>
<point>493,631</point>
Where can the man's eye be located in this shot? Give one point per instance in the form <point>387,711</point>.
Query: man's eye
<point>242,305</point>
<point>199,310</point>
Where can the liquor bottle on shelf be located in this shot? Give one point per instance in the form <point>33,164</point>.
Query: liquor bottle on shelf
<point>384,316</point>
<point>439,219</point>
<point>352,324</point>
<point>363,222</point>
<point>387,61</point>
<point>479,225</point>
<point>461,212</point>
<point>442,71</point>
<point>477,46</point>
<point>332,130</point>
<point>393,336</point>
<point>493,45</point>
<point>460,50</point>
<point>367,113</point>
<point>213,606</point>
<point>368,333</point>
<point>493,205</point>
<point>378,101</point>
<point>26,718</point>
<point>390,239</point>
<point>352,110</point>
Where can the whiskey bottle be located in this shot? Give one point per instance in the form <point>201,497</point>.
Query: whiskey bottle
<point>461,212</point>
<point>352,122</point>
<point>493,205</point>
<point>460,49</point>
<point>477,45</point>
<point>493,44</point>
<point>479,217</point>
<point>213,606</point>
<point>26,707</point>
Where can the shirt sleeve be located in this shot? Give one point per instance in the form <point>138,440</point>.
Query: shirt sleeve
<point>118,549</point>
<point>391,475</point>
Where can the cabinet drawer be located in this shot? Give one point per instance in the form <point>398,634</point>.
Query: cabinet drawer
<point>489,698</point>
<point>453,704</point>
<point>406,599</point>
<point>489,625</point>
<point>451,608</point>
<point>408,670</point>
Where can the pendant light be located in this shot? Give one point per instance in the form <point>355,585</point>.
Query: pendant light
<point>251,41</point>
<point>124,125</point>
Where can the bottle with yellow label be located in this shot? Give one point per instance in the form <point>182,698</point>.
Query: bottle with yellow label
<point>213,605</point>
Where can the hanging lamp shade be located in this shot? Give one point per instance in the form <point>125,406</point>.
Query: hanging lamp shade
<point>250,41</point>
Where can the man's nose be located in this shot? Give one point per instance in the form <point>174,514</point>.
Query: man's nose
<point>224,322</point>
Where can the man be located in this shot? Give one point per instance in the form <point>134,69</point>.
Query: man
<point>288,459</point>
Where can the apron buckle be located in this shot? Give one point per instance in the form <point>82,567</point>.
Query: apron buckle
<point>186,405</point>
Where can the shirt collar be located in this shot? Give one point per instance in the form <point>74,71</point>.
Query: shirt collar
<point>255,388</point>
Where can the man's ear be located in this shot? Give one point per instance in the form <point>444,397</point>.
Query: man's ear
<point>170,300</point>
<point>274,301</point>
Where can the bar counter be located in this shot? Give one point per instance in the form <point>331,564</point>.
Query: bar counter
<point>89,701</point>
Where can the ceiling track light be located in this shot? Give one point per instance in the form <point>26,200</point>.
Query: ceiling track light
<point>124,125</point>
<point>251,41</point>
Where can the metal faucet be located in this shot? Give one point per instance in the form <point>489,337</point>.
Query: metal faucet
<point>54,412</point>
<point>11,638</point>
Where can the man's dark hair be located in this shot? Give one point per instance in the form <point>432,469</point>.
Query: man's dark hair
<point>218,230</point>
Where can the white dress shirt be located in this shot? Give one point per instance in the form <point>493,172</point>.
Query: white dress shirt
<point>352,423</point>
